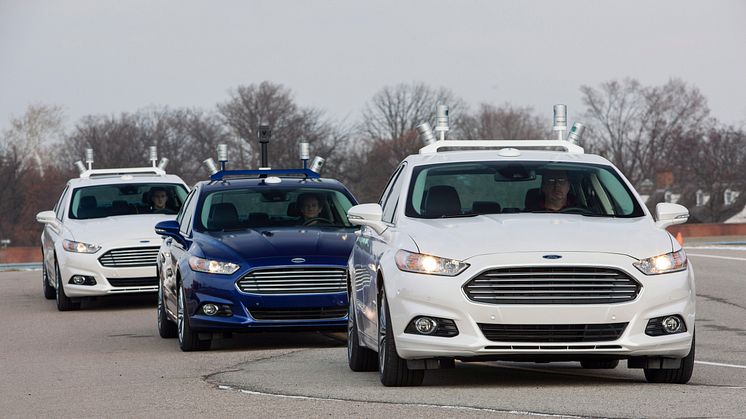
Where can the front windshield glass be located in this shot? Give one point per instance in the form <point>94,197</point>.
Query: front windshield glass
<point>474,188</point>
<point>237,209</point>
<point>126,199</point>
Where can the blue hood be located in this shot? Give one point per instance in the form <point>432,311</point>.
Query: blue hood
<point>274,243</point>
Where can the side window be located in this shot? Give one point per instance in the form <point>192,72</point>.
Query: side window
<point>392,199</point>
<point>59,209</point>
<point>185,223</point>
<point>389,185</point>
<point>180,215</point>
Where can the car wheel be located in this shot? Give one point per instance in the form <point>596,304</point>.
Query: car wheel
<point>392,369</point>
<point>188,339</point>
<point>359,357</point>
<point>166,328</point>
<point>49,292</point>
<point>64,303</point>
<point>599,364</point>
<point>680,375</point>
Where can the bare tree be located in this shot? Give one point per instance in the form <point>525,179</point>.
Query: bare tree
<point>637,126</point>
<point>291,124</point>
<point>32,134</point>
<point>505,122</point>
<point>396,110</point>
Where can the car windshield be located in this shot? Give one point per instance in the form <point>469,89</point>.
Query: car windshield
<point>474,188</point>
<point>126,199</point>
<point>236,209</point>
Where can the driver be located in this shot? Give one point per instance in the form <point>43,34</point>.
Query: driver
<point>309,206</point>
<point>555,186</point>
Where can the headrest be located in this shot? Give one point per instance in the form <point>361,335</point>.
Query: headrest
<point>442,200</point>
<point>533,199</point>
<point>293,210</point>
<point>223,215</point>
<point>485,207</point>
<point>88,202</point>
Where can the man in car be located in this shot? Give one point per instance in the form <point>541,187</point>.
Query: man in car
<point>309,206</point>
<point>159,201</point>
<point>555,186</point>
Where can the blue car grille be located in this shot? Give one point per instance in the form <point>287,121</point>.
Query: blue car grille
<point>294,281</point>
<point>132,257</point>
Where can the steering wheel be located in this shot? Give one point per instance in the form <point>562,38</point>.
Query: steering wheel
<point>577,210</point>
<point>317,221</point>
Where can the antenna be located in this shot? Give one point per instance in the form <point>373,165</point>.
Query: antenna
<point>560,121</point>
<point>264,134</point>
<point>304,154</point>
<point>441,126</point>
<point>426,133</point>
<point>89,157</point>
<point>222,155</point>
<point>153,155</point>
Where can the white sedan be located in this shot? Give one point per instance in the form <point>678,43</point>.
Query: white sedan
<point>99,239</point>
<point>519,255</point>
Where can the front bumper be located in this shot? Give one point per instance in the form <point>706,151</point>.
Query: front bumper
<point>410,295</point>
<point>206,288</point>
<point>87,264</point>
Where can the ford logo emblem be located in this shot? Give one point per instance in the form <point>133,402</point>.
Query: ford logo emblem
<point>552,257</point>
<point>297,260</point>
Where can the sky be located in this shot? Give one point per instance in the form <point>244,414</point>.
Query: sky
<point>107,57</point>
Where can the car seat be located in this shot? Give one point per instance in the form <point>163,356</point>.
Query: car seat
<point>441,201</point>
<point>222,216</point>
<point>485,207</point>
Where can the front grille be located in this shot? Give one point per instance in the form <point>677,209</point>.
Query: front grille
<point>134,282</point>
<point>299,313</point>
<point>552,332</point>
<point>294,281</point>
<point>128,258</point>
<point>552,285</point>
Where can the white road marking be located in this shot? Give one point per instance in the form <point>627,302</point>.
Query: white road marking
<point>436,406</point>
<point>715,257</point>
<point>718,364</point>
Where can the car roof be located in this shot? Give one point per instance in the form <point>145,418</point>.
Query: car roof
<point>286,182</point>
<point>116,179</point>
<point>495,155</point>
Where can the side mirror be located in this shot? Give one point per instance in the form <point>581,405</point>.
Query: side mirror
<point>670,214</point>
<point>169,228</point>
<point>367,215</point>
<point>46,217</point>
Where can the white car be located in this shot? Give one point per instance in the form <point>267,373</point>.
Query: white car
<point>520,255</point>
<point>99,239</point>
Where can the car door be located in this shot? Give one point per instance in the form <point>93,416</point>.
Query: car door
<point>377,246</point>
<point>52,234</point>
<point>174,251</point>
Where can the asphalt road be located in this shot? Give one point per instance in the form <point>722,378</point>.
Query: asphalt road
<point>108,361</point>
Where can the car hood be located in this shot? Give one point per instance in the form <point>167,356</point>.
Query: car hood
<point>270,243</point>
<point>462,238</point>
<point>125,227</point>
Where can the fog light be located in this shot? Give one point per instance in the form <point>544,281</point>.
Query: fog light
<point>210,309</point>
<point>82,280</point>
<point>425,325</point>
<point>78,280</point>
<point>671,324</point>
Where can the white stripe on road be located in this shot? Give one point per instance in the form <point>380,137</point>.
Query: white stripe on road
<point>718,364</point>
<point>716,257</point>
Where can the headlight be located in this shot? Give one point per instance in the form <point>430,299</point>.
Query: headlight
<point>428,264</point>
<point>79,247</point>
<point>661,264</point>
<point>212,266</point>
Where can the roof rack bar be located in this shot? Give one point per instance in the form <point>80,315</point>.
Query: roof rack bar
<point>123,171</point>
<point>498,144</point>
<point>220,175</point>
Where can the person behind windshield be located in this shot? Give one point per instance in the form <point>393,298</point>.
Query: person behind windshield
<point>309,206</point>
<point>555,186</point>
<point>159,201</point>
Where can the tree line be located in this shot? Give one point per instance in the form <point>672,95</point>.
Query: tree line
<point>643,130</point>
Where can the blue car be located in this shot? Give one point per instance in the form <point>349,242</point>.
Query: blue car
<point>255,251</point>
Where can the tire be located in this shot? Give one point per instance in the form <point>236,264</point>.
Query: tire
<point>49,292</point>
<point>188,339</point>
<point>166,328</point>
<point>392,370</point>
<point>680,375</point>
<point>359,357</point>
<point>64,303</point>
<point>599,364</point>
